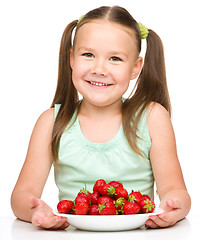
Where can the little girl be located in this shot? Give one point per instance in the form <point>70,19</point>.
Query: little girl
<point>104,135</point>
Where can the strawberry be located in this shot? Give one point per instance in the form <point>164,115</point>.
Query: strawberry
<point>115,184</point>
<point>84,192</point>
<point>135,197</point>
<point>107,208</point>
<point>97,184</point>
<point>80,199</point>
<point>144,196</point>
<point>119,203</point>
<point>147,206</point>
<point>94,197</point>
<point>81,208</point>
<point>104,199</point>
<point>121,193</point>
<point>130,208</point>
<point>65,206</point>
<point>107,190</point>
<point>94,210</point>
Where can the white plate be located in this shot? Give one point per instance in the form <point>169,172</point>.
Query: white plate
<point>108,223</point>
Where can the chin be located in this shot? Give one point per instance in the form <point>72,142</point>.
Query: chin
<point>101,102</point>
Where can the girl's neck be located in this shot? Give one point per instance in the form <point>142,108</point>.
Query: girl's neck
<point>100,124</point>
<point>89,110</point>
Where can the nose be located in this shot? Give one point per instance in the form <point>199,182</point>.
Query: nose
<point>99,67</point>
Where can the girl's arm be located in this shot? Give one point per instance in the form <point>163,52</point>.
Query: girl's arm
<point>25,199</point>
<point>174,198</point>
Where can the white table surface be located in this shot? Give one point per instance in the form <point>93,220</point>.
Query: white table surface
<point>192,227</point>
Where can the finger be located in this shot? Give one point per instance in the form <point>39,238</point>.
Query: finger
<point>36,221</point>
<point>150,224</point>
<point>45,222</point>
<point>166,206</point>
<point>53,222</point>
<point>61,225</point>
<point>65,225</point>
<point>169,217</point>
<point>59,222</point>
<point>159,222</point>
<point>33,201</point>
<point>174,203</point>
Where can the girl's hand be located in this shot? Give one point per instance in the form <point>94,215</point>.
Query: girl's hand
<point>172,214</point>
<point>43,216</point>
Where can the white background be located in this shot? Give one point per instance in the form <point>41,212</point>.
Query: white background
<point>30,33</point>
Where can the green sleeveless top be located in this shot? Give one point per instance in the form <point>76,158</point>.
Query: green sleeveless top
<point>82,160</point>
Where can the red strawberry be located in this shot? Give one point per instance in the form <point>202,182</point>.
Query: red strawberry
<point>121,193</point>
<point>82,199</point>
<point>94,197</point>
<point>130,208</point>
<point>119,203</point>
<point>144,196</point>
<point>81,208</point>
<point>65,206</point>
<point>147,206</point>
<point>135,197</point>
<point>104,199</point>
<point>84,192</point>
<point>94,210</point>
<point>107,190</point>
<point>115,184</point>
<point>107,209</point>
<point>97,184</point>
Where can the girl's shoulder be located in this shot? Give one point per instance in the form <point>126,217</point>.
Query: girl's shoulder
<point>46,119</point>
<point>47,115</point>
<point>158,118</point>
<point>156,109</point>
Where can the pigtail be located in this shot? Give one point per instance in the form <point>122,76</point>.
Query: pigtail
<point>64,70</point>
<point>150,87</point>
<point>65,94</point>
<point>152,79</point>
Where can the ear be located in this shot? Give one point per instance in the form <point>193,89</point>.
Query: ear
<point>71,58</point>
<point>137,68</point>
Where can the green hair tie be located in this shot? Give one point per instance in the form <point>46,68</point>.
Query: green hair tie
<point>143,30</point>
<point>80,18</point>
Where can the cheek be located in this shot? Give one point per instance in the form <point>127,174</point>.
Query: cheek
<point>78,71</point>
<point>123,76</point>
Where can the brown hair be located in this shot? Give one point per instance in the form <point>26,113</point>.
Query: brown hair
<point>151,85</point>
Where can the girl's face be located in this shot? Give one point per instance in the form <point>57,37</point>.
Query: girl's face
<point>103,61</point>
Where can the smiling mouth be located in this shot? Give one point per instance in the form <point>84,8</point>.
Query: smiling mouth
<point>99,84</point>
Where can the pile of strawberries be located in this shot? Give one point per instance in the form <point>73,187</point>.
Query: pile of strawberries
<point>107,199</point>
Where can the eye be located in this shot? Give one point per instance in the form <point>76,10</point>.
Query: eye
<point>115,59</point>
<point>89,55</point>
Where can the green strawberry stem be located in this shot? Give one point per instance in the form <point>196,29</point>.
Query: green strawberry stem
<point>119,202</point>
<point>84,190</point>
<point>111,191</point>
<point>101,207</point>
<point>149,205</point>
<point>85,185</point>
<point>132,198</point>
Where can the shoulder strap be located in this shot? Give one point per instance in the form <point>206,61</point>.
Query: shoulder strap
<point>57,108</point>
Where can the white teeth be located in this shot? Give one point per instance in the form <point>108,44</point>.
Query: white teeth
<point>99,84</point>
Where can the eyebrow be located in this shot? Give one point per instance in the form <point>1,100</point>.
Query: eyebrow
<point>118,53</point>
<point>111,53</point>
<point>85,49</point>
